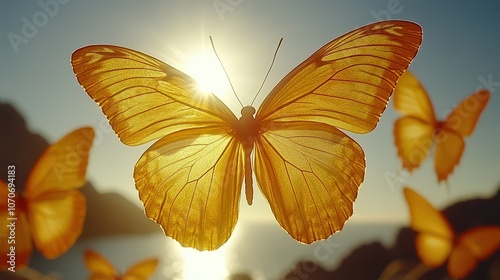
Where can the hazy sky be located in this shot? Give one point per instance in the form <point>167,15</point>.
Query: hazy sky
<point>460,52</point>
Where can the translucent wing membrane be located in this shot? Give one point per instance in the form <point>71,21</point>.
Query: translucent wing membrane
<point>310,174</point>
<point>190,183</point>
<point>142,97</point>
<point>347,83</point>
<point>190,180</point>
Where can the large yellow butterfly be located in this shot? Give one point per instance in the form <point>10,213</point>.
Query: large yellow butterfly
<point>418,129</point>
<point>101,269</point>
<point>189,181</point>
<point>436,241</point>
<point>50,211</point>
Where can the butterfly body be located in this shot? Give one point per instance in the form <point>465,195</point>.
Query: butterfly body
<point>309,171</point>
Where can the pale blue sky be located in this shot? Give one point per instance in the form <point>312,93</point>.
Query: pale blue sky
<point>459,52</point>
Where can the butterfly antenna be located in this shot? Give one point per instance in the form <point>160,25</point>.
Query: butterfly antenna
<point>265,78</point>
<point>213,47</point>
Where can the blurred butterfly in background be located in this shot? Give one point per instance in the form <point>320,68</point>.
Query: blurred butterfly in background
<point>436,241</point>
<point>418,129</point>
<point>50,211</point>
<point>101,269</point>
<point>309,171</point>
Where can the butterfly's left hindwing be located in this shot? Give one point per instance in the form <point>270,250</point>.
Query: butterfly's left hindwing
<point>190,183</point>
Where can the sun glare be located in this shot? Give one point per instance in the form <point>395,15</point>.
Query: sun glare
<point>207,71</point>
<point>200,265</point>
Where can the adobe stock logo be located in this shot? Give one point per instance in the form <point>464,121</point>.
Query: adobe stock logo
<point>30,27</point>
<point>222,7</point>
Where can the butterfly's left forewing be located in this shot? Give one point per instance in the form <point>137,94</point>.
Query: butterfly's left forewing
<point>190,183</point>
<point>345,84</point>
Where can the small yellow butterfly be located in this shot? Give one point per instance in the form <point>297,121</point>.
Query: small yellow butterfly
<point>419,129</point>
<point>101,269</point>
<point>309,171</point>
<point>436,241</point>
<point>51,210</point>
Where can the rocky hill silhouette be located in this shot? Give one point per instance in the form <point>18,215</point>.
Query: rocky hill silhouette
<point>107,213</point>
<point>375,261</point>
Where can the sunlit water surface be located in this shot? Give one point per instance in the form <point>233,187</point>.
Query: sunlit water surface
<point>260,250</point>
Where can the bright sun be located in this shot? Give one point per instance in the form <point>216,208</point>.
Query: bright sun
<point>207,71</point>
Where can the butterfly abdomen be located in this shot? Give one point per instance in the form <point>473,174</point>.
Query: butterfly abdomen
<point>246,131</point>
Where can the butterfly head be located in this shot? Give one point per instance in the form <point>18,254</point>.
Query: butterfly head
<point>247,111</point>
<point>247,127</point>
